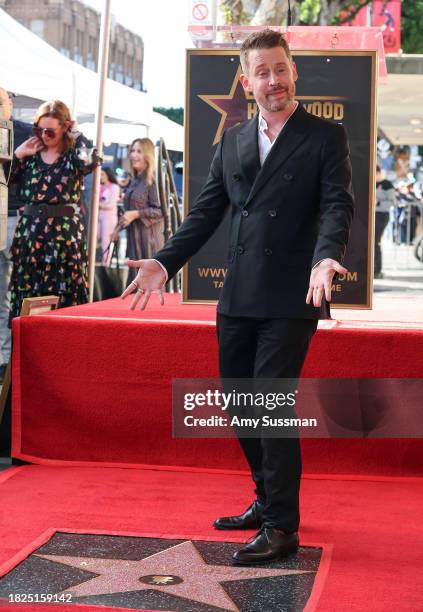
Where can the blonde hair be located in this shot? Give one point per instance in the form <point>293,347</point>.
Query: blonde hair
<point>58,110</point>
<point>147,148</point>
<point>263,39</point>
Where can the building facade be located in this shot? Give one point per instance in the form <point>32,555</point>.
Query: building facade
<point>73,28</point>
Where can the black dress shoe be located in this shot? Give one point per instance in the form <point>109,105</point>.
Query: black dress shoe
<point>251,519</point>
<point>269,544</point>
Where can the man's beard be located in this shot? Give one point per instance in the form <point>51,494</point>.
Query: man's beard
<point>274,106</point>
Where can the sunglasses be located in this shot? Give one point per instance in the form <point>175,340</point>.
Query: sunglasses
<point>39,132</point>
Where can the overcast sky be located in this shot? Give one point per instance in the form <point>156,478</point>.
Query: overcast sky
<point>163,27</point>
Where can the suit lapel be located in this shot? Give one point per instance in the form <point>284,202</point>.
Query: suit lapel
<point>248,152</point>
<point>291,137</point>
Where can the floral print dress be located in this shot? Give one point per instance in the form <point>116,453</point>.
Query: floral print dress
<point>49,254</point>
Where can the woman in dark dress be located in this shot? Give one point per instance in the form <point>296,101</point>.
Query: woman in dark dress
<point>48,252</point>
<point>143,217</point>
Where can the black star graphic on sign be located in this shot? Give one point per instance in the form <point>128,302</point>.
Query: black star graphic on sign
<point>233,107</point>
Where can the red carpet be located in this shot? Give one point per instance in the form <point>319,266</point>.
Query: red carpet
<point>93,384</point>
<point>92,388</point>
<point>374,528</point>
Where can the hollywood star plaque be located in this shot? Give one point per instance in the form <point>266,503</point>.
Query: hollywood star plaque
<point>337,85</point>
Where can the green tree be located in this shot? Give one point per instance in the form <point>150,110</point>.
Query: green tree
<point>335,12</point>
<point>411,20</point>
<point>309,11</point>
<point>175,114</point>
<point>306,12</point>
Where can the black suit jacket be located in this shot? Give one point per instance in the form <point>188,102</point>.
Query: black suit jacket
<point>286,215</point>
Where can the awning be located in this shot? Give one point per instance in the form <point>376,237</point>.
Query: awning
<point>124,133</point>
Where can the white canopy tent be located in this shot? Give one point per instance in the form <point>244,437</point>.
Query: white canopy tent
<point>31,67</point>
<point>170,131</point>
<point>125,133</point>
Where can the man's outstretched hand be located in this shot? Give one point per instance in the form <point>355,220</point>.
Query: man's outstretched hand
<point>150,277</point>
<point>321,281</point>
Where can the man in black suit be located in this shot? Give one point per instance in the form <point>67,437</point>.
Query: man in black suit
<point>286,176</point>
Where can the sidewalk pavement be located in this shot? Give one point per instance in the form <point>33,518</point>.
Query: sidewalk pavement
<point>402,272</point>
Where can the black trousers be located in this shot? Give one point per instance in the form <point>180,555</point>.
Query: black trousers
<point>268,348</point>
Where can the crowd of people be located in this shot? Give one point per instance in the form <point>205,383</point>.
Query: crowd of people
<point>399,205</point>
<point>46,251</point>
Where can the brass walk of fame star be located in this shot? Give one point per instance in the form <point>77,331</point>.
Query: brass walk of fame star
<point>232,106</point>
<point>179,570</point>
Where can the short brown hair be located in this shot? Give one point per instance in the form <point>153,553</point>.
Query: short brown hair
<point>264,39</point>
<point>58,110</point>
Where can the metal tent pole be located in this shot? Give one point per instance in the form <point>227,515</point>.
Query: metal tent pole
<point>99,119</point>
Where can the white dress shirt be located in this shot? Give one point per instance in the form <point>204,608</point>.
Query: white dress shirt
<point>264,142</point>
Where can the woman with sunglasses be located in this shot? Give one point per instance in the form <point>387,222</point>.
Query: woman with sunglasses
<point>48,251</point>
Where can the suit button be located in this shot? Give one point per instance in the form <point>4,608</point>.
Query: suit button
<point>236,177</point>
<point>240,250</point>
<point>272,213</point>
<point>288,177</point>
<point>268,251</point>
<point>245,213</point>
